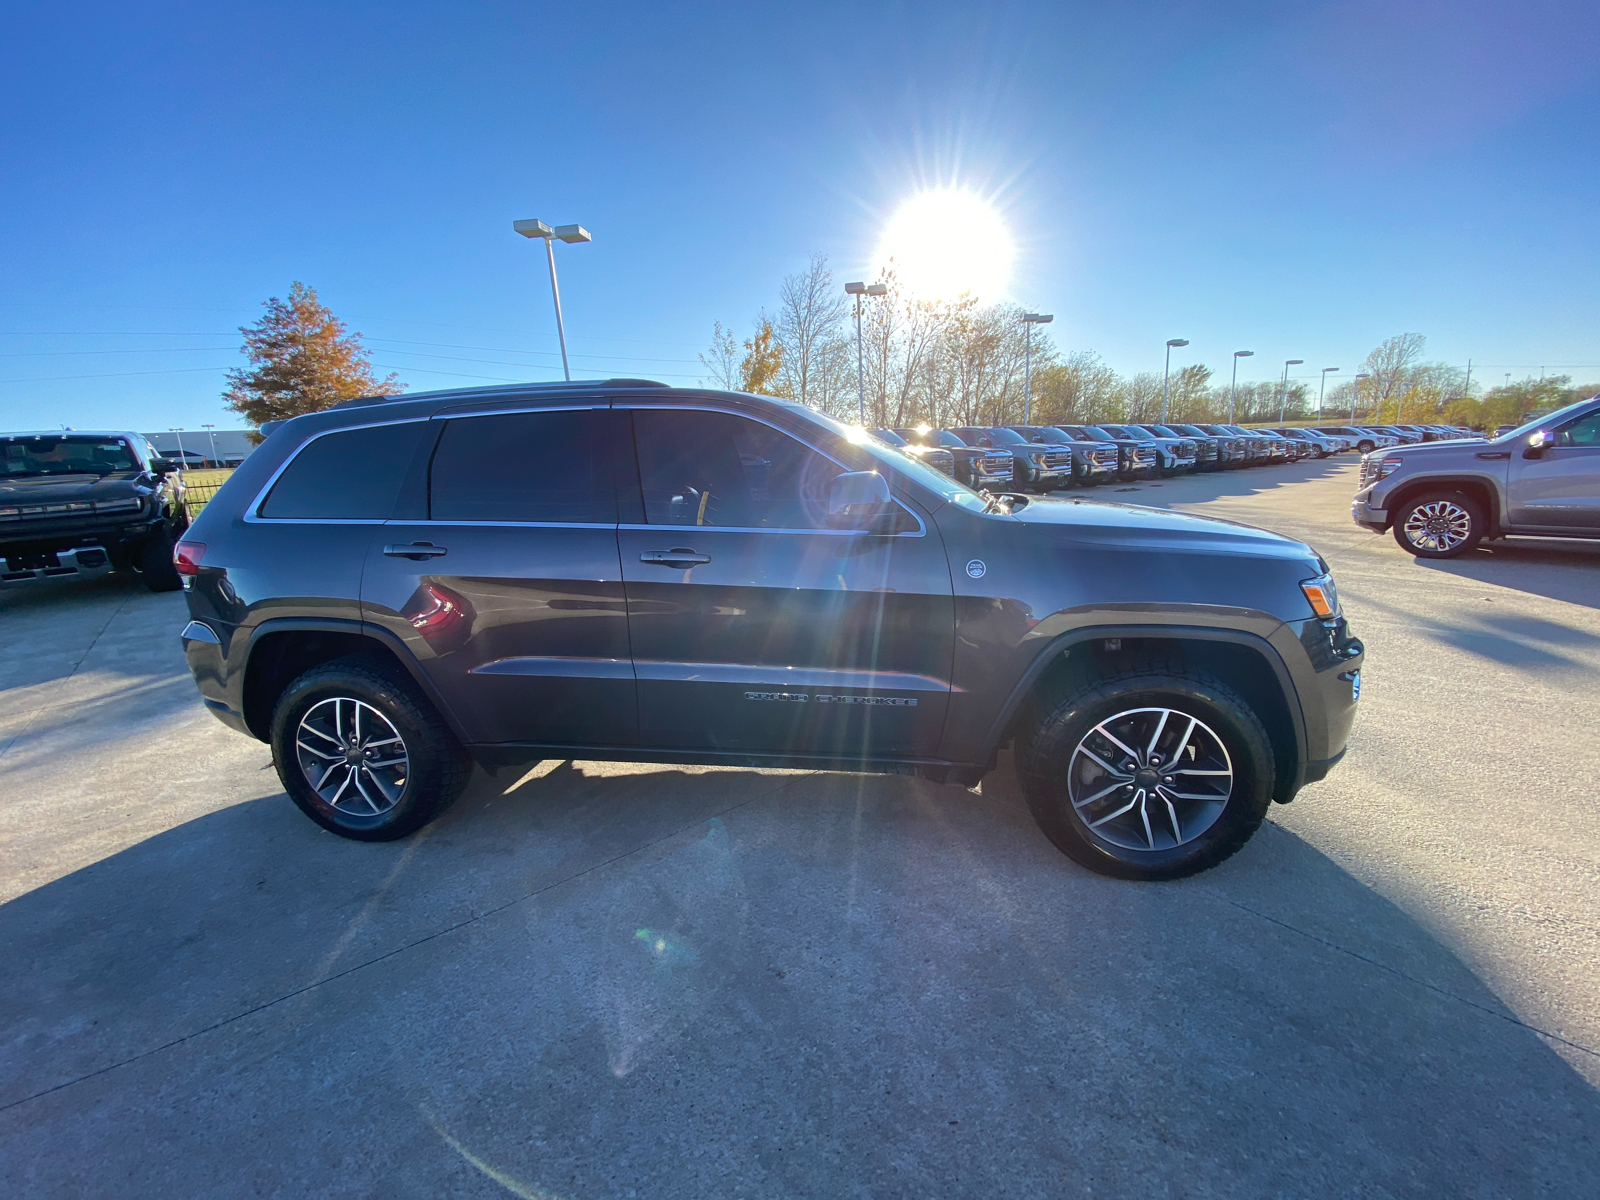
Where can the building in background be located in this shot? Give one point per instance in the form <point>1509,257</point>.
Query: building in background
<point>232,446</point>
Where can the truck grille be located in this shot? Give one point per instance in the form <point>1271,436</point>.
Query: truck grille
<point>1060,458</point>
<point>995,464</point>
<point>71,508</point>
<point>1106,456</point>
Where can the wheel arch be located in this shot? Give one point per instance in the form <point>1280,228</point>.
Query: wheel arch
<point>282,650</point>
<point>1481,491</point>
<point>1243,660</point>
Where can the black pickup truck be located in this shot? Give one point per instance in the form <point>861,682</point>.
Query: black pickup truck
<point>76,501</point>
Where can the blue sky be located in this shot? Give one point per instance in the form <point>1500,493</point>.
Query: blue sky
<point>1298,179</point>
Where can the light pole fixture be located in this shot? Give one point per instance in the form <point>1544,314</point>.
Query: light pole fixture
<point>1237,355</point>
<point>179,432</point>
<point>1355,394</point>
<point>1167,370</point>
<point>859,290</point>
<point>1321,387</point>
<point>1283,396</point>
<point>1029,320</point>
<point>215,461</point>
<point>571,234</point>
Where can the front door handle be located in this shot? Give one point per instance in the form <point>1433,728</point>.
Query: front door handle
<point>1494,454</point>
<point>680,557</point>
<point>416,551</point>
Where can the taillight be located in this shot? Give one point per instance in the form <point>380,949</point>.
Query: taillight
<point>186,557</point>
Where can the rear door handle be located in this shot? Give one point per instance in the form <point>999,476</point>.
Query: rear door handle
<point>416,551</point>
<point>680,557</point>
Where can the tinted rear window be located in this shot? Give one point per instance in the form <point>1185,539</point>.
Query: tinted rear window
<point>540,467</point>
<point>354,475</point>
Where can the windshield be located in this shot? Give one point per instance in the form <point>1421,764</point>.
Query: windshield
<point>1094,434</point>
<point>49,454</point>
<point>1006,437</point>
<point>910,465</point>
<point>1190,430</point>
<point>1056,434</point>
<point>890,436</point>
<point>1119,433</point>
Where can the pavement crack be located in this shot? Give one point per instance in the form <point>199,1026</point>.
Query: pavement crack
<point>388,954</point>
<point>1423,983</point>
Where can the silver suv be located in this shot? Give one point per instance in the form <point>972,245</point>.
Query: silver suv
<point>1443,498</point>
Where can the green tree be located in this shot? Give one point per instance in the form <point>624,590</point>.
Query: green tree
<point>763,357</point>
<point>302,359</point>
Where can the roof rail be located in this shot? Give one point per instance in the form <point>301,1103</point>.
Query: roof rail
<point>509,389</point>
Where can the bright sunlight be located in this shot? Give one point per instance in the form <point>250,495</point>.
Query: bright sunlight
<point>947,242</point>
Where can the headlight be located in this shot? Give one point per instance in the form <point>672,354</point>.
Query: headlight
<point>1389,466</point>
<point>1323,595</point>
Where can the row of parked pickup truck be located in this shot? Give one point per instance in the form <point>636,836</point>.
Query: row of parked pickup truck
<point>1043,458</point>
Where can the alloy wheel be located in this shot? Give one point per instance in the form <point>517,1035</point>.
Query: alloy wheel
<point>352,756</point>
<point>1150,779</point>
<point>1439,526</point>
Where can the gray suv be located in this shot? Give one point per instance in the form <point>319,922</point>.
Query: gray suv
<point>1443,498</point>
<point>392,589</point>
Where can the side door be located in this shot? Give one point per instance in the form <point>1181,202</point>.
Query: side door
<point>503,578</point>
<point>1559,490</point>
<point>757,627</point>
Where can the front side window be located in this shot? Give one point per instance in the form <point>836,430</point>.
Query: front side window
<point>533,467</point>
<point>723,470</point>
<point>1583,432</point>
<point>353,475</point>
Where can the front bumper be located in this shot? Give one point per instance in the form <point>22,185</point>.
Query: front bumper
<point>1363,512</point>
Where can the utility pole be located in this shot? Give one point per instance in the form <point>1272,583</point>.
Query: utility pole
<point>1237,355</point>
<point>1283,396</point>
<point>1166,371</point>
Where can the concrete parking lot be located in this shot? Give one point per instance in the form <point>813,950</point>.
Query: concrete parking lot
<point>651,981</point>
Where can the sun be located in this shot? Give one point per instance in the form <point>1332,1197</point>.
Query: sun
<point>948,241</point>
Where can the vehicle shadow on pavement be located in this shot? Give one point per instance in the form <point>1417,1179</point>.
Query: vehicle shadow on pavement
<point>1557,570</point>
<point>692,982</point>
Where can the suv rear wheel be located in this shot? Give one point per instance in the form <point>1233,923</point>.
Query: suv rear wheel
<point>1439,525</point>
<point>363,754</point>
<point>1152,774</point>
<point>156,565</point>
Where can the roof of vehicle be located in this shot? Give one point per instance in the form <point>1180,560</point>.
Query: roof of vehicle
<point>507,389</point>
<point>93,433</point>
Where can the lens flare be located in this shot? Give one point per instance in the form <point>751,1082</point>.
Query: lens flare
<point>947,242</point>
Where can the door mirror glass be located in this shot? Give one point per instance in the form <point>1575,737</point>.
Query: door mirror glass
<point>860,500</point>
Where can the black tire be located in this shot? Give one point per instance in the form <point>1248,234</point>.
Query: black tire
<point>1049,753</point>
<point>435,768</point>
<point>1366,447</point>
<point>1439,525</point>
<point>156,565</point>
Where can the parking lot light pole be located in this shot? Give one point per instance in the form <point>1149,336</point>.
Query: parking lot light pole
<point>571,234</point>
<point>1322,387</point>
<point>215,461</point>
<point>179,432</point>
<point>1237,355</point>
<point>1029,320</point>
<point>1283,397</point>
<point>859,290</point>
<point>1355,394</point>
<point>1167,370</point>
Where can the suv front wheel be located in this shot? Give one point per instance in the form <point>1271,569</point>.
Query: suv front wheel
<point>1438,525</point>
<point>1151,774</point>
<point>363,754</point>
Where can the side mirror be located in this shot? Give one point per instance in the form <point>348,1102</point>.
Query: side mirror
<point>859,500</point>
<point>163,466</point>
<point>1537,442</point>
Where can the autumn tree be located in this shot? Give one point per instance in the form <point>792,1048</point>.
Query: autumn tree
<point>811,334</point>
<point>763,358</point>
<point>723,360</point>
<point>303,359</point>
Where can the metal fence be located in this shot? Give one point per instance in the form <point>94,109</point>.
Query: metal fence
<point>200,486</point>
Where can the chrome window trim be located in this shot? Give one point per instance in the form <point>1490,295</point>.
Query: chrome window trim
<point>920,531</point>
<point>252,512</point>
<point>762,675</point>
